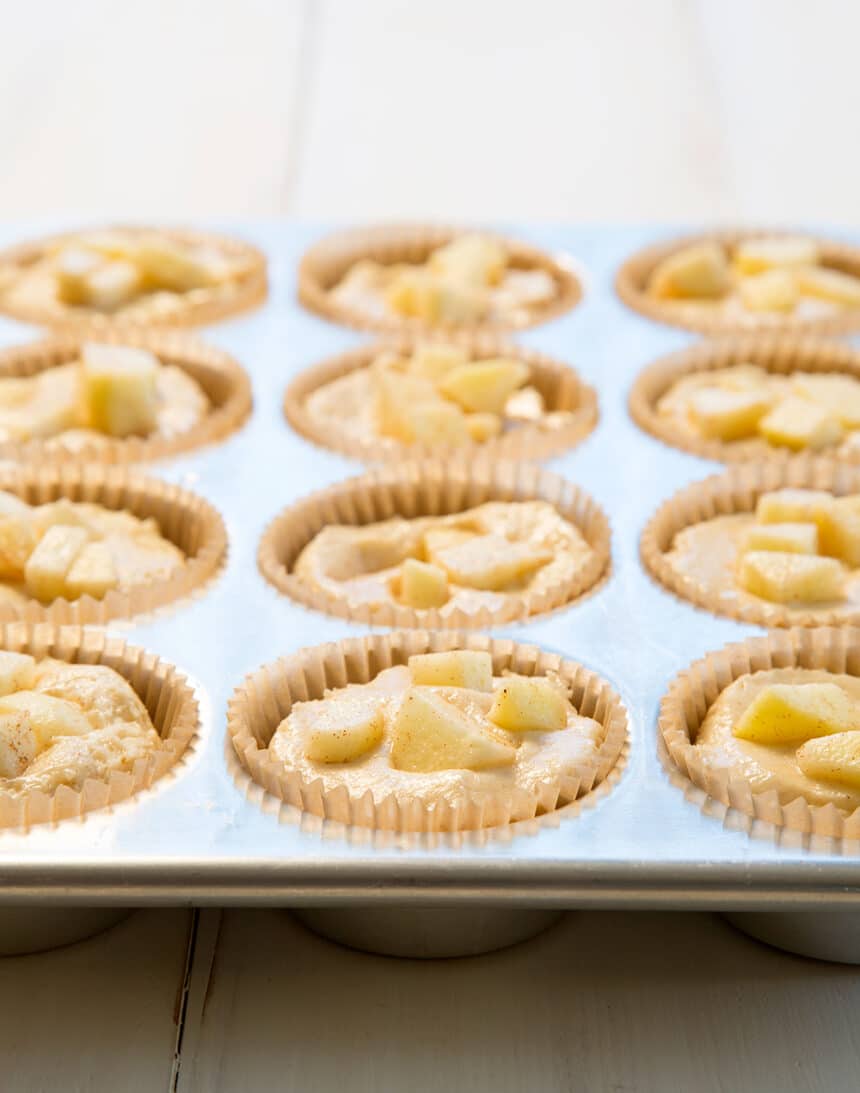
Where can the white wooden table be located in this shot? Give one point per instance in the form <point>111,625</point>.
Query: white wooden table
<point>704,110</point>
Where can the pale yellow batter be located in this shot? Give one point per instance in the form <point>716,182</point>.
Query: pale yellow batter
<point>769,767</point>
<point>540,756</point>
<point>706,555</point>
<point>92,724</point>
<point>125,551</point>
<point>363,565</point>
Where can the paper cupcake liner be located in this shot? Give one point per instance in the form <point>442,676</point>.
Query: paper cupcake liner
<point>323,266</point>
<point>433,489</point>
<point>195,308</point>
<point>184,518</point>
<point>266,696</point>
<point>559,384</point>
<point>223,380</point>
<point>694,691</point>
<point>632,278</point>
<point>737,491</point>
<point>164,691</point>
<point>775,353</point>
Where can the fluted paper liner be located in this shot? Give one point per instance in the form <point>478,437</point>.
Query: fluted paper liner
<point>432,489</point>
<point>164,691</point>
<point>323,266</point>
<point>560,385</point>
<point>266,696</point>
<point>773,352</point>
<point>184,518</point>
<point>694,691</point>
<point>195,308</point>
<point>222,379</point>
<point>632,279</point>
<point>737,491</point>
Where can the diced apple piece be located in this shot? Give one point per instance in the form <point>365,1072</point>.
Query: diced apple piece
<point>18,746</point>
<point>75,265</point>
<point>795,423</point>
<point>470,668</point>
<point>433,360</point>
<point>430,734</point>
<point>473,259</point>
<point>838,394</point>
<point>783,252</point>
<point>789,713</point>
<point>422,584</point>
<point>18,539</point>
<point>795,506</point>
<point>842,538</point>
<point>17,672</point>
<point>396,393</point>
<point>833,758</point>
<point>791,578</point>
<point>527,404</point>
<point>530,704</point>
<point>92,573</point>
<point>416,294</point>
<point>168,265</point>
<point>48,716</point>
<point>112,285</point>
<point>344,729</point>
<point>46,569</point>
<point>490,562</point>
<point>774,290</point>
<point>437,539</point>
<point>437,424</point>
<point>483,427</point>
<point>728,415</point>
<point>830,284</point>
<point>484,386</point>
<point>119,389</point>
<point>697,272</point>
<point>789,538</point>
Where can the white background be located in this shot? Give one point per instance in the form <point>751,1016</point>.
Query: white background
<point>711,110</point>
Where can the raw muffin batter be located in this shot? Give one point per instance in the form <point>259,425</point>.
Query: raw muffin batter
<point>61,724</point>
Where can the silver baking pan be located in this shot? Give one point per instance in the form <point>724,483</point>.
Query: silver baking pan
<point>208,837</point>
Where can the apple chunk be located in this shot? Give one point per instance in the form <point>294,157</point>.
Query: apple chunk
<point>833,758</point>
<point>526,704</point>
<point>783,577</point>
<point>431,734</point>
<point>422,584</point>
<point>344,729</point>
<point>472,668</point>
<point>789,713</point>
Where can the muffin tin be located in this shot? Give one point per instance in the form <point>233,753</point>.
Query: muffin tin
<point>211,836</point>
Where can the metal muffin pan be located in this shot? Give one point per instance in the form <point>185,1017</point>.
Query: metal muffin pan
<point>207,837</point>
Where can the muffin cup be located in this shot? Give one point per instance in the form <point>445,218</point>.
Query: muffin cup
<point>196,308</point>
<point>737,491</point>
<point>222,379</point>
<point>323,266</point>
<point>164,691</point>
<point>693,692</point>
<point>432,489</point>
<point>632,279</point>
<point>559,384</point>
<point>186,520</point>
<point>774,353</point>
<point>266,696</point>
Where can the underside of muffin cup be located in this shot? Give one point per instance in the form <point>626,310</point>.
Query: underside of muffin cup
<point>434,488</point>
